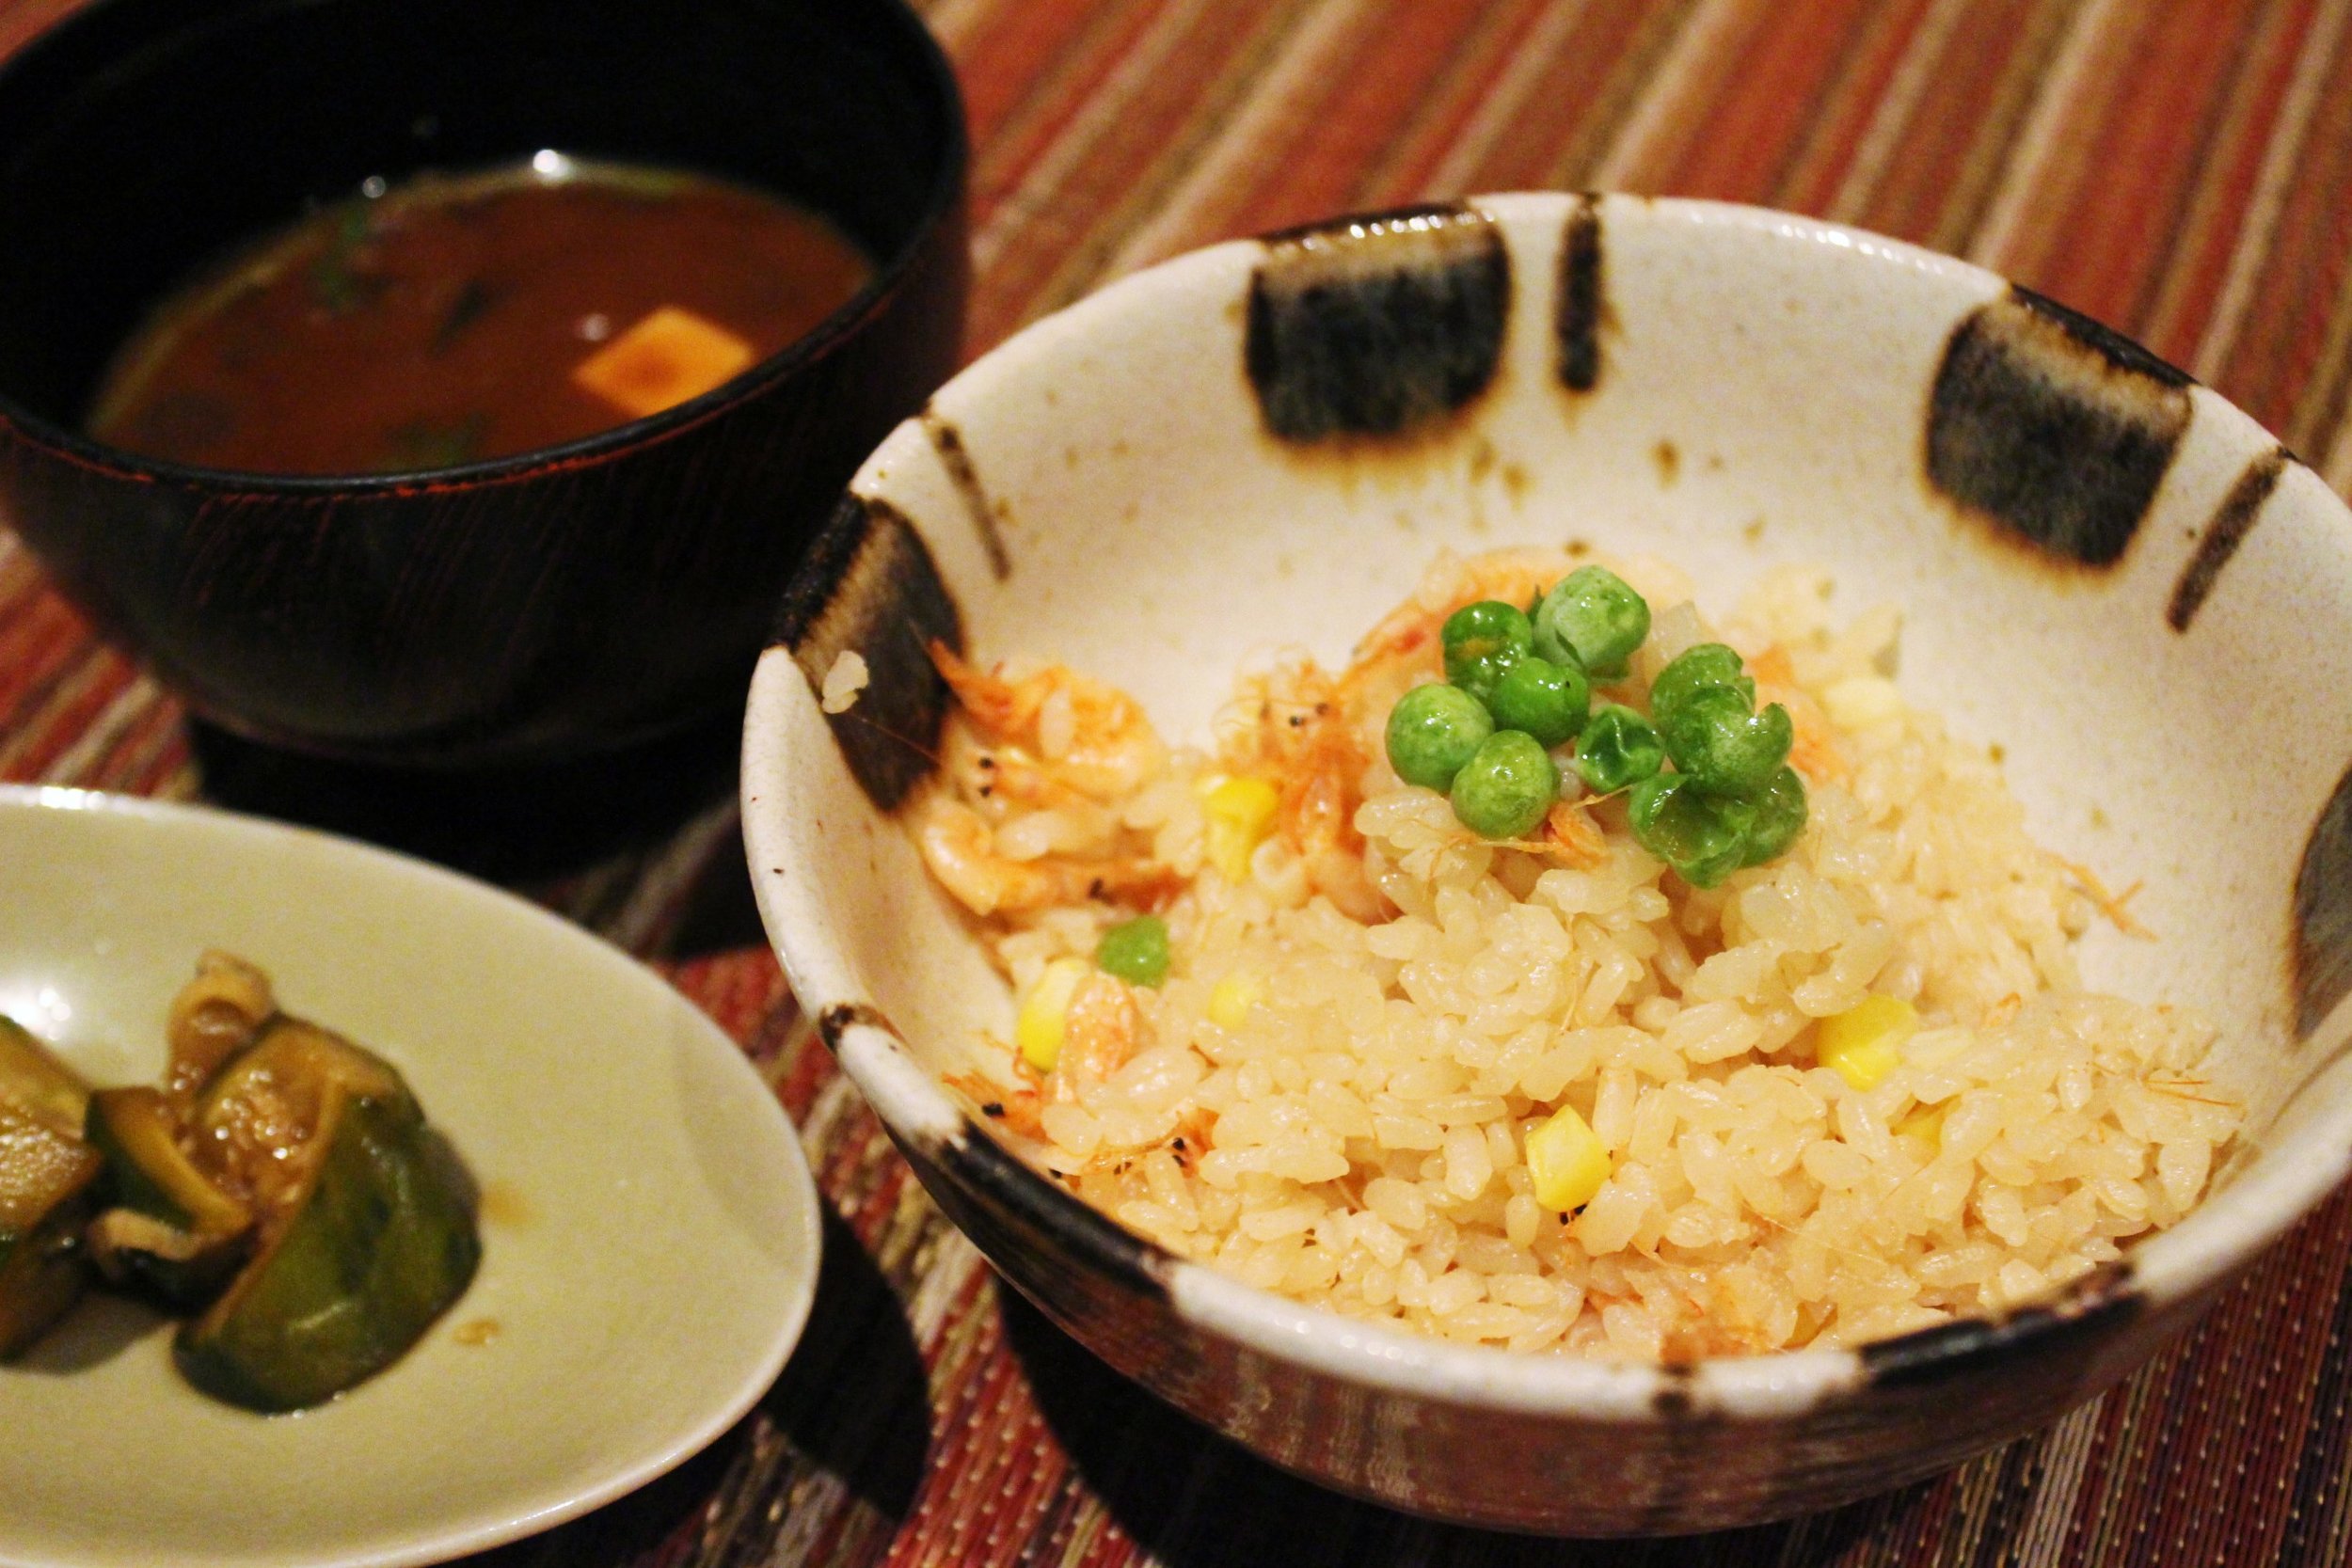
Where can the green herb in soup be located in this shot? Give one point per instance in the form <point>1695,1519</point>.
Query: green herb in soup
<point>450,319</point>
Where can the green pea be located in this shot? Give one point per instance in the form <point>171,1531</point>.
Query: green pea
<point>1693,670</point>
<point>1617,748</point>
<point>1135,951</point>
<point>1593,617</point>
<point>1780,814</point>
<point>1723,744</point>
<point>1703,836</point>
<point>1482,640</point>
<point>1507,789</point>
<point>1548,701</point>
<point>1433,730</point>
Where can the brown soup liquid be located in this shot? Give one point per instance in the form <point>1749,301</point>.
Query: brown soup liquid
<point>452,319</point>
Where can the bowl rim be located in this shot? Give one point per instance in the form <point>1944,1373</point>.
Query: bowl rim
<point>2182,1267</point>
<point>928,70</point>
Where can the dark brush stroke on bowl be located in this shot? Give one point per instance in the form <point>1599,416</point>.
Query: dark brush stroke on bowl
<point>2085,1311</point>
<point>1583,303</point>
<point>1376,326</point>
<point>870,586</point>
<point>954,456</point>
<point>2322,958</point>
<point>2239,511</point>
<point>2053,428</point>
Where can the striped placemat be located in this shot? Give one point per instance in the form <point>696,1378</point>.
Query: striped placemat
<point>2181,169</point>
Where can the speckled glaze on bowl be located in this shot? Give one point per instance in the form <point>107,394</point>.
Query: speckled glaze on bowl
<point>2105,569</point>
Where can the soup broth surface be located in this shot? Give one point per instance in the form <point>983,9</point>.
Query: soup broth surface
<point>455,318</point>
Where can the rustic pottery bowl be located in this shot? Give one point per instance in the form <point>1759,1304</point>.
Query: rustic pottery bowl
<point>2105,568</point>
<point>555,605</point>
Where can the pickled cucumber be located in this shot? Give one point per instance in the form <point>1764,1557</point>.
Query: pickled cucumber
<point>46,1180</point>
<point>371,1230</point>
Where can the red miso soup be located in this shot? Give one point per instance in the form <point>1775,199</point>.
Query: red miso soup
<point>450,319</point>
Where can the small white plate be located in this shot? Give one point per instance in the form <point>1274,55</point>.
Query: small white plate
<point>650,1232</point>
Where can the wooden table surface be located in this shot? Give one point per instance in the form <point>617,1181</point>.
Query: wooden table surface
<point>2181,169</point>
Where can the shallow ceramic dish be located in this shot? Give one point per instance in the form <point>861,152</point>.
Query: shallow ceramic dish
<point>650,1232</point>
<point>2105,569</point>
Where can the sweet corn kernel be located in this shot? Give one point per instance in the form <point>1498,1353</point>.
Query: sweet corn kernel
<point>1865,1042</point>
<point>1241,814</point>
<point>1924,1123</point>
<point>1861,700</point>
<point>1232,997</point>
<point>1568,1161</point>
<point>1044,1016</point>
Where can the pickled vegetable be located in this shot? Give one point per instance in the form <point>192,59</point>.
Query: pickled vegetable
<point>46,1176</point>
<point>369,1235</point>
<point>212,1017</point>
<point>36,1083</point>
<point>168,1231</point>
<point>282,1185</point>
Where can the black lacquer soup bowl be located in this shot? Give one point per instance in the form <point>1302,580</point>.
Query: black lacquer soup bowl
<point>559,605</point>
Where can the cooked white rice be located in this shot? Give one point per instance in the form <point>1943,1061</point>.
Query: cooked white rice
<point>1354,1133</point>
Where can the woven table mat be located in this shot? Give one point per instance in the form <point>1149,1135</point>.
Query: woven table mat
<point>2180,169</point>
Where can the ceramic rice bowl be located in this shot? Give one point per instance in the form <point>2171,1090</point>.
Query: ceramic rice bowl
<point>2104,568</point>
